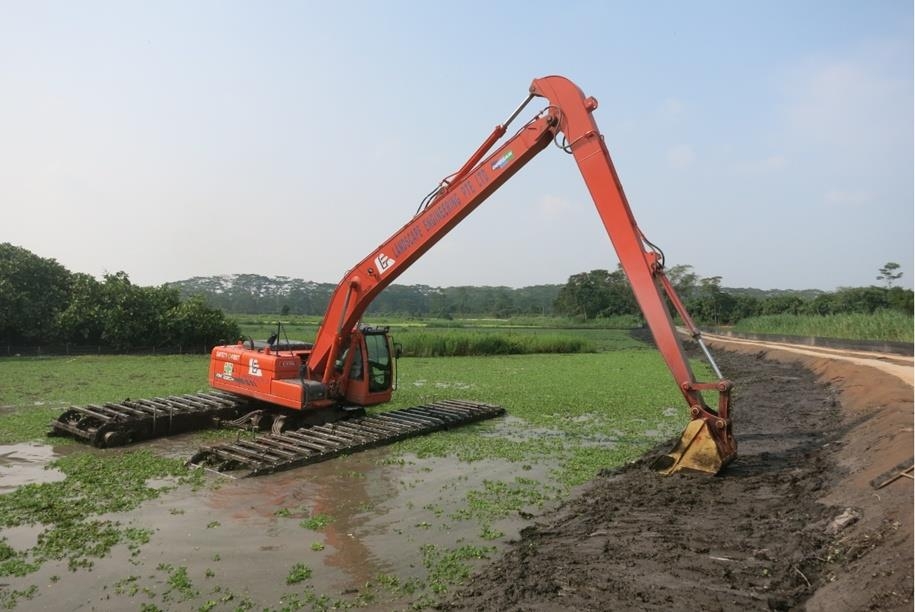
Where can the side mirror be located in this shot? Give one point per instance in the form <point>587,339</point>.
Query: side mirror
<point>398,350</point>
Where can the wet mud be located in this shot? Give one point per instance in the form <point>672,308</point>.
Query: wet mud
<point>792,523</point>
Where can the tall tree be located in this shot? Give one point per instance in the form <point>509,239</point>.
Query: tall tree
<point>33,290</point>
<point>888,273</point>
<point>683,279</point>
<point>192,323</point>
<point>83,320</point>
<point>596,293</point>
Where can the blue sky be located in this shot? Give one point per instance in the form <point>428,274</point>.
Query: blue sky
<point>769,143</point>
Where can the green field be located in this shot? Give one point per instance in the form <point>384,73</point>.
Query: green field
<point>608,395</point>
<point>37,389</point>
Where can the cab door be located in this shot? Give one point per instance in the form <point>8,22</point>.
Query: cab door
<point>371,375</point>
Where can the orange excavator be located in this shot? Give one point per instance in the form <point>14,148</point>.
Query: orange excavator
<point>350,365</point>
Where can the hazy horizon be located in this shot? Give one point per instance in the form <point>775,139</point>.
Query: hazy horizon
<point>334,283</point>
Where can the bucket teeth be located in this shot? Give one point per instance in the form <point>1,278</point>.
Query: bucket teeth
<point>699,449</point>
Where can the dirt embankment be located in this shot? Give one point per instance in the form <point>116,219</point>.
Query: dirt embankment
<point>792,523</point>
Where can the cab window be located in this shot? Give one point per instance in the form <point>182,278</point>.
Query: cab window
<point>379,361</point>
<point>355,370</point>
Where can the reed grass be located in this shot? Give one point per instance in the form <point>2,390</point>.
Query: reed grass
<point>886,325</point>
<point>466,343</point>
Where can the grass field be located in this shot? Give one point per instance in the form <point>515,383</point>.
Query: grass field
<point>607,395</point>
<point>37,389</point>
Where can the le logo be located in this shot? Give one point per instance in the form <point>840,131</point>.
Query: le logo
<point>383,262</point>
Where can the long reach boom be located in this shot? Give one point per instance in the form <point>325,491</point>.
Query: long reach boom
<point>707,443</point>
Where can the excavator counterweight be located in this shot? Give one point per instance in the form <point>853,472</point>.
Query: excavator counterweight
<point>352,366</point>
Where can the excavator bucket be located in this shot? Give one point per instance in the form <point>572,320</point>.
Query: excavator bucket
<point>696,451</point>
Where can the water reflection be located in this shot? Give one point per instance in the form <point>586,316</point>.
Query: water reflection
<point>26,463</point>
<point>347,490</point>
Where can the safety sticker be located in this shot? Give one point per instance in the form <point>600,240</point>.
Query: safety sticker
<point>503,161</point>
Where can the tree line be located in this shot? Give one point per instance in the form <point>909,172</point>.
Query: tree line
<point>601,293</point>
<point>41,302</point>
<point>588,295</point>
<point>256,294</point>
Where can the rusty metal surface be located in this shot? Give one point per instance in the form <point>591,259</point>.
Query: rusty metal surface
<point>115,424</point>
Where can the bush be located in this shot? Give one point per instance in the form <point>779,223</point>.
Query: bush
<point>193,323</point>
<point>887,325</point>
<point>42,303</point>
<point>466,343</point>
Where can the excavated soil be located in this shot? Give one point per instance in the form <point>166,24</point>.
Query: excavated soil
<point>793,523</point>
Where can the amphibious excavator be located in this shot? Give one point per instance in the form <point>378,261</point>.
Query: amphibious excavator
<point>311,396</point>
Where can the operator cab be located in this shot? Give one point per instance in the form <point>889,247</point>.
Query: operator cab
<point>371,360</point>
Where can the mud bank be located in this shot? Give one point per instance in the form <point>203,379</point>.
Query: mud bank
<point>792,523</point>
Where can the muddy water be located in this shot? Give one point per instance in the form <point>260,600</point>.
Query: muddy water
<point>232,541</point>
<point>26,463</point>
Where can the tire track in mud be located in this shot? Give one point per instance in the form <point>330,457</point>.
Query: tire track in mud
<point>900,366</point>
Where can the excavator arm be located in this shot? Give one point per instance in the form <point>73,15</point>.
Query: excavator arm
<point>454,200</point>
<point>707,444</point>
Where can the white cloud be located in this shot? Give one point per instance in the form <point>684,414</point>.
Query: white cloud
<point>840,198</point>
<point>681,156</point>
<point>767,165</point>
<point>671,109</point>
<point>551,206</point>
<point>851,103</point>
